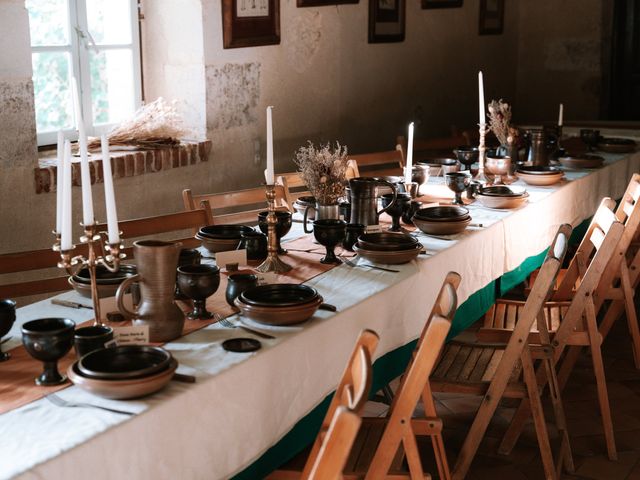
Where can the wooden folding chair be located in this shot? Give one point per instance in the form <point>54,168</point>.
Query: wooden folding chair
<point>352,393</point>
<point>173,222</point>
<point>572,316</point>
<point>240,206</point>
<point>377,164</point>
<point>504,368</point>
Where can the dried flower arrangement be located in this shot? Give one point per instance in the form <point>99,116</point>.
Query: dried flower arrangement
<point>154,125</point>
<point>324,170</point>
<point>500,120</point>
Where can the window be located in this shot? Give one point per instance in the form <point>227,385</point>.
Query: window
<point>95,41</point>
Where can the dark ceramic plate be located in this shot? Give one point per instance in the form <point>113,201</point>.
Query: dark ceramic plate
<point>104,276</point>
<point>503,191</point>
<point>442,213</point>
<point>224,231</point>
<point>307,200</point>
<point>539,170</point>
<point>279,295</point>
<point>124,362</point>
<point>617,145</point>
<point>439,161</point>
<point>387,241</point>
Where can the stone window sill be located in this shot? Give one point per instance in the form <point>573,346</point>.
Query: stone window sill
<point>124,163</point>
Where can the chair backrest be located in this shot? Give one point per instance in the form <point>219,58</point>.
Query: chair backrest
<point>352,391</point>
<point>600,241</point>
<point>240,206</point>
<point>336,446</point>
<point>31,261</point>
<point>600,225</point>
<point>377,164</point>
<point>173,222</point>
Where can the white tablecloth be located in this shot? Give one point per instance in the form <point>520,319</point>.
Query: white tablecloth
<point>244,403</point>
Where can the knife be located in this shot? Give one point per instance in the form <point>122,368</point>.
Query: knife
<point>67,303</point>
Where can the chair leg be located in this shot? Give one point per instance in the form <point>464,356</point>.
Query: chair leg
<point>436,439</point>
<point>595,339</point>
<point>537,412</point>
<point>519,420</point>
<point>632,317</point>
<point>412,454</point>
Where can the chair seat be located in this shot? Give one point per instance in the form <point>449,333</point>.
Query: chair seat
<point>469,368</point>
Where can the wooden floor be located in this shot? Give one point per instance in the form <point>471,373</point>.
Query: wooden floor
<point>585,427</point>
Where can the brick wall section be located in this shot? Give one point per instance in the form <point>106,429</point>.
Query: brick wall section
<point>125,164</point>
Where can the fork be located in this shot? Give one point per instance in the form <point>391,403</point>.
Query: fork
<point>61,402</point>
<point>225,322</point>
<point>351,263</point>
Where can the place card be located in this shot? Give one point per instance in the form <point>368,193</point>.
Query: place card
<point>373,229</point>
<point>266,278</point>
<point>232,256</point>
<point>134,335</point>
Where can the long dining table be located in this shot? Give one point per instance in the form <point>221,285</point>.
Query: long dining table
<point>248,412</point>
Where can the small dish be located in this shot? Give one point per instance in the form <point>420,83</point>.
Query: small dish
<point>392,258</point>
<point>503,191</point>
<point>502,202</point>
<point>617,145</point>
<point>582,162</point>
<point>241,345</point>
<point>123,389</point>
<point>540,180</point>
<point>279,295</point>
<point>387,241</point>
<point>538,170</point>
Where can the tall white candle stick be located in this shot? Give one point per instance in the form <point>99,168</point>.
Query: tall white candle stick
<point>109,194</point>
<point>561,115</point>
<point>85,175</point>
<point>483,118</point>
<point>66,242</point>
<point>59,181</point>
<point>409,167</point>
<point>270,176</point>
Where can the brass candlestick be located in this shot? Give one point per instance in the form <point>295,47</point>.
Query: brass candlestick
<point>110,259</point>
<point>272,262</point>
<point>482,149</point>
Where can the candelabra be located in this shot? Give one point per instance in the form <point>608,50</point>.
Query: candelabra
<point>482,149</point>
<point>110,258</point>
<point>272,262</point>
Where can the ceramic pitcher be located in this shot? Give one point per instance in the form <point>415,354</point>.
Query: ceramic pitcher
<point>157,262</point>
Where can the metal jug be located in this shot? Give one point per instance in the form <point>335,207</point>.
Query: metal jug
<point>156,262</point>
<point>537,148</point>
<point>364,199</point>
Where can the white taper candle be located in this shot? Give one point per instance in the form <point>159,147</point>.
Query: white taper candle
<point>409,167</point>
<point>270,176</point>
<point>483,117</point>
<point>561,115</point>
<point>66,242</point>
<point>109,194</point>
<point>85,174</point>
<point>59,181</point>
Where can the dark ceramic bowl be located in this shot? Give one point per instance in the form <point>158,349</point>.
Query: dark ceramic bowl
<point>104,276</point>
<point>443,213</point>
<point>386,241</point>
<point>467,155</point>
<point>539,169</point>
<point>445,165</point>
<point>279,295</point>
<point>88,339</point>
<point>237,284</point>
<point>48,340</point>
<point>7,318</point>
<point>124,362</point>
<point>230,232</point>
<point>503,191</point>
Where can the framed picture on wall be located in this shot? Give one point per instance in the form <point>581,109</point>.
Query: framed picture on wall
<point>249,23</point>
<point>322,3</point>
<point>441,3</point>
<point>386,20</point>
<point>491,17</point>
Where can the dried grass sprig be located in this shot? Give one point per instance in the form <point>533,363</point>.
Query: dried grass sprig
<point>154,125</point>
<point>500,120</point>
<point>324,170</point>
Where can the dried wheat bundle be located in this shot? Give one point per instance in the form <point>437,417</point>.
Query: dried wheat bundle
<point>500,120</point>
<point>324,171</point>
<point>154,125</point>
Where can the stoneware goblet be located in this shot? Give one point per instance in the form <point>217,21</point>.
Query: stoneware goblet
<point>238,283</point>
<point>7,317</point>
<point>48,340</point>
<point>590,137</point>
<point>282,227</point>
<point>88,339</point>
<point>353,232</point>
<point>467,156</point>
<point>188,256</point>
<point>458,183</point>
<point>402,203</point>
<point>329,232</point>
<point>198,282</point>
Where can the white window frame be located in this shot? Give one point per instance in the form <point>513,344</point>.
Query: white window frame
<point>81,43</point>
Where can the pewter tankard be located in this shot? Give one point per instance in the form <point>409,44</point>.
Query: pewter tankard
<point>364,199</point>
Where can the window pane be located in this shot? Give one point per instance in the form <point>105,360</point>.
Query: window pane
<point>109,21</point>
<point>112,85</point>
<point>54,108</point>
<point>48,22</point>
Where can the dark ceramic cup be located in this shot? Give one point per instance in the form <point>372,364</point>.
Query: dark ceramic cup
<point>255,243</point>
<point>238,283</point>
<point>354,230</point>
<point>7,317</point>
<point>88,339</point>
<point>48,340</point>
